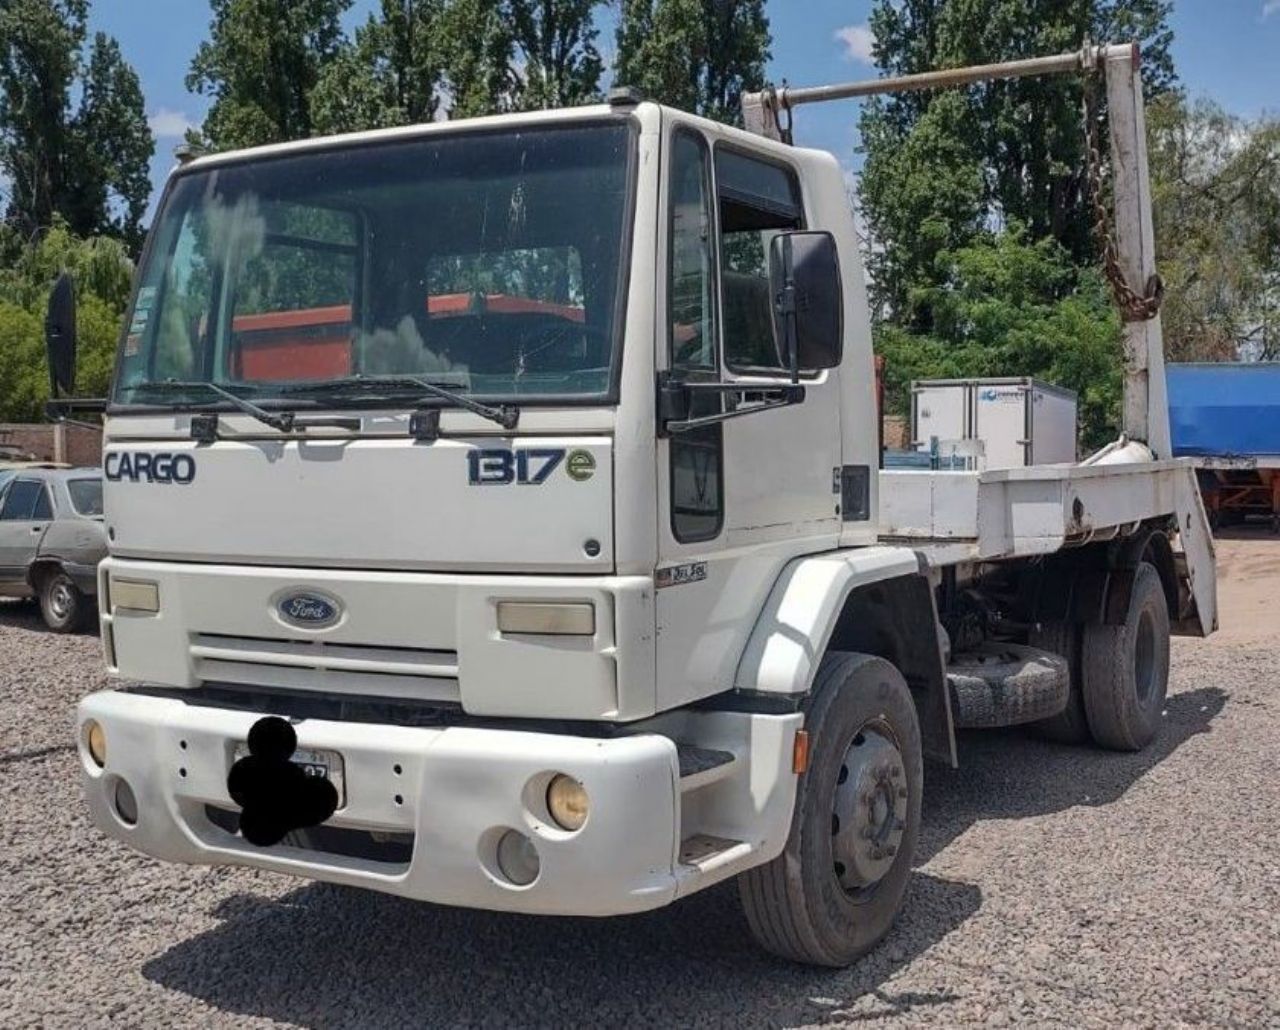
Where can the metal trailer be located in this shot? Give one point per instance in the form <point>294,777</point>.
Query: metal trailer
<point>1225,417</point>
<point>1016,421</point>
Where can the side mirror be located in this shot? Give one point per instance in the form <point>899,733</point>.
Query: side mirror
<point>808,310</point>
<point>60,337</point>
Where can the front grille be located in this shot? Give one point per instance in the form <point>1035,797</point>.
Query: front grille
<point>371,670</point>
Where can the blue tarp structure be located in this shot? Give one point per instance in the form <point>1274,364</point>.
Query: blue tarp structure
<point>1227,409</point>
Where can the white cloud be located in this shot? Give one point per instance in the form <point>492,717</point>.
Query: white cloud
<point>1270,8</point>
<point>168,124</point>
<point>858,40</point>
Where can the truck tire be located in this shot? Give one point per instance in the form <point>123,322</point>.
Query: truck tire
<point>1007,685</point>
<point>836,888</point>
<point>1070,726</point>
<point>62,605</point>
<point>1126,668</point>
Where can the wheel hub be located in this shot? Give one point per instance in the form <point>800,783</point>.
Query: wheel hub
<point>869,817</point>
<point>60,600</point>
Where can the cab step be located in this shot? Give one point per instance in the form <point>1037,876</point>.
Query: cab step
<point>700,766</point>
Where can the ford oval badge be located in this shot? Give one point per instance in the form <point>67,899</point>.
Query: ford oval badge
<point>309,610</point>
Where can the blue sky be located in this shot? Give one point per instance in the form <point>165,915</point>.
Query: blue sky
<point>1226,49</point>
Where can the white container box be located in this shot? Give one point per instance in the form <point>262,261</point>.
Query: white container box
<point>1016,422</point>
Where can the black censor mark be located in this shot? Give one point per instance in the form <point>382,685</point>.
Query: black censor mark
<point>275,795</point>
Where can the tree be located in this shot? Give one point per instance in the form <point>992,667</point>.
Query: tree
<point>114,146</point>
<point>557,41</point>
<point>1022,138</point>
<point>86,164</point>
<point>103,274</point>
<point>479,48</point>
<point>699,55</point>
<point>389,75</point>
<point>261,63</point>
<point>1216,199</point>
<point>1003,303</point>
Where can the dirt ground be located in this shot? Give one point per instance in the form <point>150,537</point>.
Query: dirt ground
<point>1248,587</point>
<point>1053,886</point>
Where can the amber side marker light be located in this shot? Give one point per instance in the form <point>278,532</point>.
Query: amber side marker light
<point>800,752</point>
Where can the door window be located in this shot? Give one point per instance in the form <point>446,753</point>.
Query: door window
<point>757,200</point>
<point>20,501</point>
<point>697,489</point>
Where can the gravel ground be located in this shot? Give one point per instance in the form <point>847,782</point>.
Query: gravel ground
<point>1054,886</point>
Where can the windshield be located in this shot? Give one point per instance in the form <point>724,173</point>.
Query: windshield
<point>489,263</point>
<point>86,495</point>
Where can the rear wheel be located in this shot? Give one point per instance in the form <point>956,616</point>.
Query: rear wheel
<point>834,891</point>
<point>62,604</point>
<point>1126,668</point>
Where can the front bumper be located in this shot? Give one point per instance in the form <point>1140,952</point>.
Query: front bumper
<point>451,792</point>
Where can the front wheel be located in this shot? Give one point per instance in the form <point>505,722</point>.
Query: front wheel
<point>836,888</point>
<point>62,604</point>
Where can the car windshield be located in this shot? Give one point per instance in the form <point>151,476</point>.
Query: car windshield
<point>489,263</point>
<point>86,495</point>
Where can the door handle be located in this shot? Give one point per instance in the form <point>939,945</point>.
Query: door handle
<point>37,529</point>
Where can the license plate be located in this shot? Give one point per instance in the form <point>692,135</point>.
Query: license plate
<point>314,762</point>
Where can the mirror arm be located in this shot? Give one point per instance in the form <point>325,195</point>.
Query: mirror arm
<point>675,396</point>
<point>786,302</point>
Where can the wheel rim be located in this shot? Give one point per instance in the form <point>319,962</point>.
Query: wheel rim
<point>1144,657</point>
<point>869,817</point>
<point>60,599</point>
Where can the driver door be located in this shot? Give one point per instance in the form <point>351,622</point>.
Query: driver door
<point>740,498</point>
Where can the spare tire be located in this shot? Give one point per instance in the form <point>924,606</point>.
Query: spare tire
<point>1007,685</point>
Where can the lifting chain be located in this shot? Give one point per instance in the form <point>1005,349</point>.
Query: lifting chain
<point>1134,306</point>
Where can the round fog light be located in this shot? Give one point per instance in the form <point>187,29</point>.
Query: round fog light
<point>97,741</point>
<point>126,804</point>
<point>567,801</point>
<point>518,858</point>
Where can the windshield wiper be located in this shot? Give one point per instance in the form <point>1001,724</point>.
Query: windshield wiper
<point>505,415</point>
<point>205,427</point>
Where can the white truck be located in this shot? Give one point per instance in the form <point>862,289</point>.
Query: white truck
<point>496,519</point>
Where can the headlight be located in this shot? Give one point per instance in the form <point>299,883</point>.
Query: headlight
<point>96,738</point>
<point>135,595</point>
<point>568,802</point>
<point>551,618</point>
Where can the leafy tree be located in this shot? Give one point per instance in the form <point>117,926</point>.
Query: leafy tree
<point>1216,195</point>
<point>700,55</point>
<point>103,274</point>
<point>389,75</point>
<point>87,163</point>
<point>1007,303</point>
<point>114,148</point>
<point>1022,139</point>
<point>557,41</point>
<point>261,63</point>
<point>479,48</point>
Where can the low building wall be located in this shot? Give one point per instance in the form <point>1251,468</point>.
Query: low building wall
<point>63,442</point>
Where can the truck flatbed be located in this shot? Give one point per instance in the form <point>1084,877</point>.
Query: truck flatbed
<point>957,517</point>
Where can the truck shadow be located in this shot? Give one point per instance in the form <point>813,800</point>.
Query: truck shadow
<point>1011,774</point>
<point>330,957</point>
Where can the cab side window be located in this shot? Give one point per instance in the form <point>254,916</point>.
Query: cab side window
<point>697,489</point>
<point>757,200</point>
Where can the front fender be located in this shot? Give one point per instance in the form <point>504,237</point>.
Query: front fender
<point>793,630</point>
